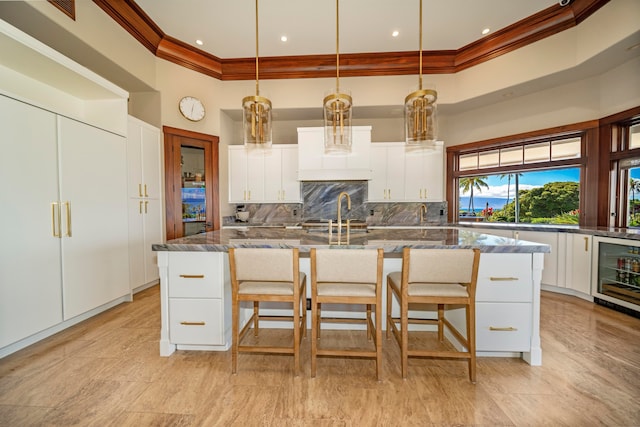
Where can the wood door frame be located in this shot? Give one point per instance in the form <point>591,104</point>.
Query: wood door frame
<point>173,138</point>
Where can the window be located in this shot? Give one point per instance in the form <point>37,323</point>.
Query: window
<point>628,170</point>
<point>534,181</point>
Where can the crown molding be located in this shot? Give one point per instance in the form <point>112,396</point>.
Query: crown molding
<point>536,27</point>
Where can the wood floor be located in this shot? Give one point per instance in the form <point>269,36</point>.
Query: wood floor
<point>107,372</point>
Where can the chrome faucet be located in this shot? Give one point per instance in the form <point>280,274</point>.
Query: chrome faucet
<point>423,213</point>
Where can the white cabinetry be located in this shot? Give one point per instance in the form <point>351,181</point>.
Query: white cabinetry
<point>63,186</point>
<point>145,201</point>
<point>387,180</point>
<point>579,264</point>
<point>424,174</point>
<point>30,270</point>
<point>263,176</point>
<point>196,301</point>
<point>314,164</point>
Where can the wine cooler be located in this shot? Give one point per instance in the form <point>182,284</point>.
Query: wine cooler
<point>616,266</point>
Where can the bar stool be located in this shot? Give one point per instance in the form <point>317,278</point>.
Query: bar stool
<point>259,274</point>
<point>347,276</point>
<point>435,276</point>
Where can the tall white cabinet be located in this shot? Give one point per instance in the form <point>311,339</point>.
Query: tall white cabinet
<point>145,201</point>
<point>63,189</point>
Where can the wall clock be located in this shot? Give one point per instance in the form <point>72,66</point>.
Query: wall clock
<point>191,108</point>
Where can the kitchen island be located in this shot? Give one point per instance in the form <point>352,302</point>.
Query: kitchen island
<point>195,285</point>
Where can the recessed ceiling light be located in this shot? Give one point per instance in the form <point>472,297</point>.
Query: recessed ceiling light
<point>395,33</point>
<point>283,39</point>
<point>199,42</point>
<point>486,31</point>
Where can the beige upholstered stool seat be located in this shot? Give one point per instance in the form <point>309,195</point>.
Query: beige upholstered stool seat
<point>347,289</point>
<point>267,275</point>
<point>445,277</point>
<point>270,288</point>
<point>350,277</point>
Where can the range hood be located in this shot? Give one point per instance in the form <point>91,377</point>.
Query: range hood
<point>315,165</point>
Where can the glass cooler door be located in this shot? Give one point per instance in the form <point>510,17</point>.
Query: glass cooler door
<point>619,272</point>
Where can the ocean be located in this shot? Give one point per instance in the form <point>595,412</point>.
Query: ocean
<point>480,203</point>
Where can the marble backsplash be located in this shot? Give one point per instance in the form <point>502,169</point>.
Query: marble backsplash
<point>320,201</point>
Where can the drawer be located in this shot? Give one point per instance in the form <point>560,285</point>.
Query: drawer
<point>503,326</point>
<point>196,321</point>
<point>196,275</point>
<point>504,277</point>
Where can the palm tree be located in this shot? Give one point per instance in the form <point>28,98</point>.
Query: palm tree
<point>634,185</point>
<point>471,183</point>
<point>509,176</point>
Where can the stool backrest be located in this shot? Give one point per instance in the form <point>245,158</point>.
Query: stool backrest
<point>262,264</point>
<point>346,265</point>
<point>441,265</point>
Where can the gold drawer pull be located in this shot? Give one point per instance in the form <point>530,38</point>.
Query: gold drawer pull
<point>192,276</point>
<point>192,323</point>
<point>502,279</point>
<point>507,329</point>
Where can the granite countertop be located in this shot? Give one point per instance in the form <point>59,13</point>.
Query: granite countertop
<point>392,240</point>
<point>615,232</point>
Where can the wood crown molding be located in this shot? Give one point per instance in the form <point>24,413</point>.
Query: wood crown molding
<point>536,27</point>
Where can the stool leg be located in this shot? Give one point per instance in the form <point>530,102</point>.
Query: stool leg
<point>404,334</point>
<point>256,320</point>
<point>389,314</point>
<point>296,337</point>
<point>234,337</point>
<point>369,332</point>
<point>471,338</point>
<point>379,337</point>
<point>440,322</point>
<point>314,336</point>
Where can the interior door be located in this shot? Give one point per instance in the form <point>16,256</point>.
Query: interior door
<point>191,182</point>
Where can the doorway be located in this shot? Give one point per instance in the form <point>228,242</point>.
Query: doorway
<point>191,182</point>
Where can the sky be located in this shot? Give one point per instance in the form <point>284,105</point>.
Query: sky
<point>527,180</point>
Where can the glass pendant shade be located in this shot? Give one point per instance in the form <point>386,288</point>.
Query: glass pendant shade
<point>420,118</point>
<point>337,123</point>
<point>337,109</point>
<point>256,122</point>
<point>420,111</point>
<point>256,112</point>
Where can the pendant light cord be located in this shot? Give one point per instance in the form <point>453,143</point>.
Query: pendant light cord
<point>338,47</point>
<point>420,84</point>
<point>257,71</point>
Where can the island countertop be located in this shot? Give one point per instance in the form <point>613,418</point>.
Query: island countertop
<point>392,240</point>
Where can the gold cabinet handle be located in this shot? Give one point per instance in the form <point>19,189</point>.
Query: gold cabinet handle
<point>140,190</point>
<point>389,194</point>
<point>249,193</point>
<point>507,329</point>
<point>192,323</point>
<point>68,205</point>
<point>192,276</point>
<point>140,207</point>
<point>502,279</point>
<point>145,191</point>
<point>586,244</point>
<point>146,205</point>
<point>55,220</point>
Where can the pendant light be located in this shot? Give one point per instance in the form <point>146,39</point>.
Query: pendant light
<point>420,118</point>
<point>337,109</point>
<point>256,112</point>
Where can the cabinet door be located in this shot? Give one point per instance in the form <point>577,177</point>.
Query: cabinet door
<point>579,263</point>
<point>152,234</point>
<point>377,186</point>
<point>311,146</point>
<point>30,271</point>
<point>550,268</point>
<point>151,163</point>
<point>272,176</point>
<point>395,172</point>
<point>413,178</point>
<point>433,175</point>
<point>255,176</point>
<point>290,183</point>
<point>134,159</point>
<point>237,174</point>
<point>94,192</point>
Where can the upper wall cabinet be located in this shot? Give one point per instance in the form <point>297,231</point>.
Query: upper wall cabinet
<point>263,176</point>
<point>32,72</point>
<point>403,174</point>
<point>315,165</point>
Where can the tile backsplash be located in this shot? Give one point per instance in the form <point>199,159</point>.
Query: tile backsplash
<point>320,201</point>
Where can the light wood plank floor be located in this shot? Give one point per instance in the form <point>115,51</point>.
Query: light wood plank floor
<point>107,372</point>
